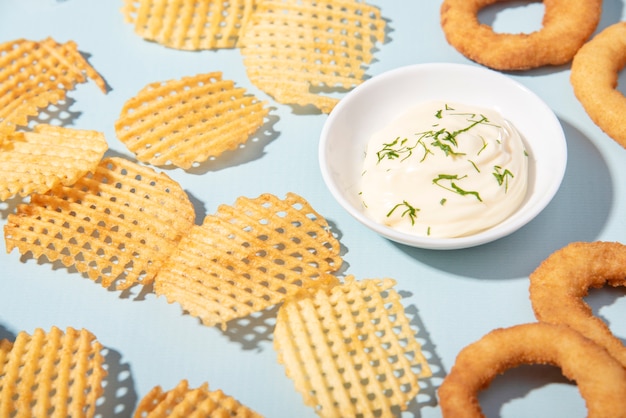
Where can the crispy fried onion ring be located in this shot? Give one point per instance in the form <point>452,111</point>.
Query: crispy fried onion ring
<point>566,26</point>
<point>559,284</point>
<point>600,378</point>
<point>595,71</point>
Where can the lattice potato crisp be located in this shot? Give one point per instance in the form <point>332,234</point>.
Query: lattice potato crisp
<point>34,75</point>
<point>185,122</point>
<point>52,374</point>
<point>37,160</point>
<point>189,24</point>
<point>249,257</point>
<point>295,50</point>
<point>351,350</point>
<point>118,225</point>
<point>183,402</point>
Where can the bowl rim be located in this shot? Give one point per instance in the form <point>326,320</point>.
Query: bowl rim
<point>498,231</point>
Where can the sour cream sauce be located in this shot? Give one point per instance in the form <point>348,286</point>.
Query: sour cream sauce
<point>444,170</point>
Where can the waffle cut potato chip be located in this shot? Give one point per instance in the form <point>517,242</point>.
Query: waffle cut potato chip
<point>189,24</point>
<point>52,374</point>
<point>34,75</point>
<point>184,402</point>
<point>351,351</point>
<point>117,225</point>
<point>185,122</point>
<point>249,257</point>
<point>33,162</point>
<point>296,49</point>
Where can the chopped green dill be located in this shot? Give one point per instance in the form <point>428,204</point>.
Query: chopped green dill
<point>410,211</point>
<point>474,165</point>
<point>441,138</point>
<point>453,186</point>
<point>426,149</point>
<point>388,151</point>
<point>502,177</point>
<point>445,141</point>
<point>439,113</point>
<point>483,147</point>
<point>443,201</point>
<point>462,192</point>
<point>399,148</point>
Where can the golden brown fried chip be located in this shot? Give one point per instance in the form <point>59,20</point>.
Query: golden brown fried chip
<point>249,257</point>
<point>351,350</point>
<point>182,122</point>
<point>183,402</point>
<point>34,75</point>
<point>117,225</point>
<point>33,162</point>
<point>56,374</point>
<point>292,47</point>
<point>189,24</point>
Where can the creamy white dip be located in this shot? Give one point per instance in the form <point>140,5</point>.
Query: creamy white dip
<point>444,170</point>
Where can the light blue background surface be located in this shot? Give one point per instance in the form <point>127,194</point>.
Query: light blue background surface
<point>454,297</point>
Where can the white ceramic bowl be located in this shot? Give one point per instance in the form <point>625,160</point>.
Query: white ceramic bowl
<point>379,100</point>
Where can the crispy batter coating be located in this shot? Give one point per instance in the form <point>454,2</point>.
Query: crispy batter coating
<point>566,26</point>
<point>600,378</point>
<point>559,284</point>
<point>594,77</point>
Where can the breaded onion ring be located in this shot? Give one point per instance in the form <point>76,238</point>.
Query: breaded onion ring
<point>559,284</point>
<point>567,24</point>
<point>600,378</point>
<point>595,71</point>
